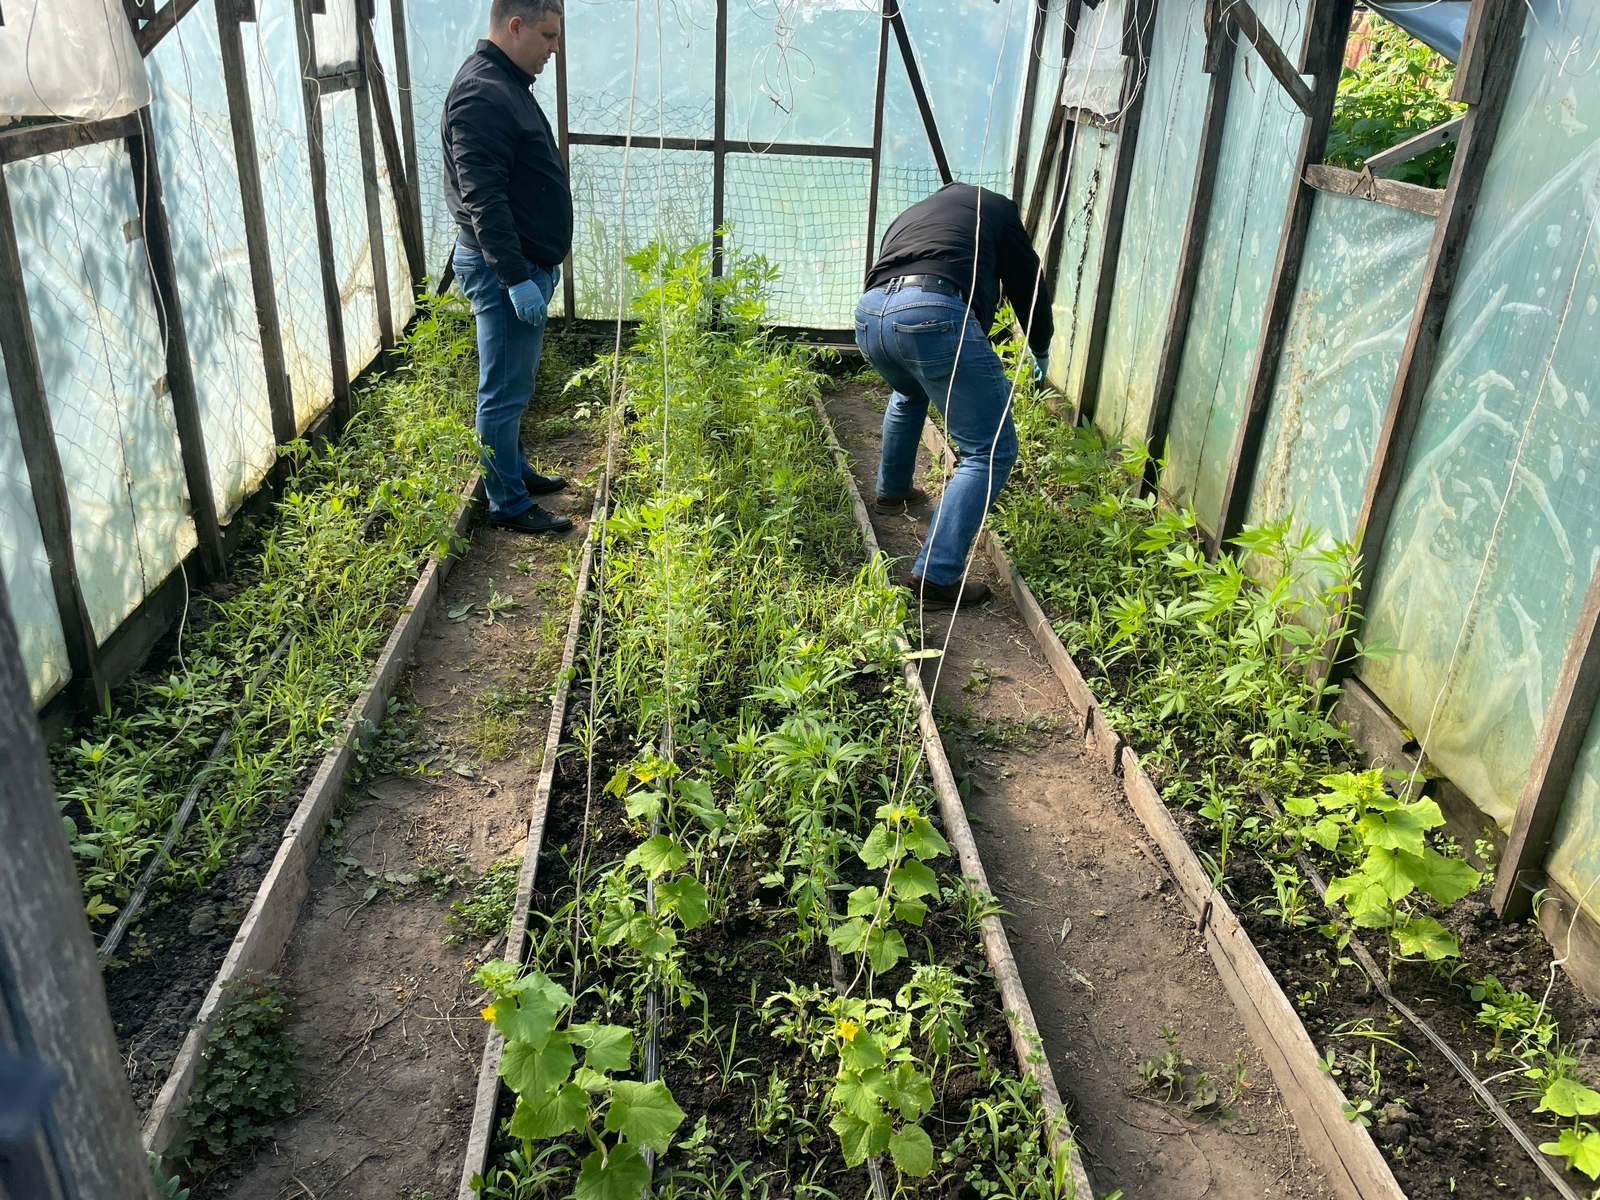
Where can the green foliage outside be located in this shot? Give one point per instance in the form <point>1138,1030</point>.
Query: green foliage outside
<point>1399,90</point>
<point>330,570</point>
<point>243,1086</point>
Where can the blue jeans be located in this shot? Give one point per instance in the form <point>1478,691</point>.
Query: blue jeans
<point>508,361</point>
<point>912,338</point>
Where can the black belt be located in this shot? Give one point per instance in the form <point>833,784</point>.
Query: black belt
<point>928,283</point>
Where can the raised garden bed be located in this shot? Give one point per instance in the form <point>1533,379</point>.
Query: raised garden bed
<point>1374,1095</point>
<point>759,949</point>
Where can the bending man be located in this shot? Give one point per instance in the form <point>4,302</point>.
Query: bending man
<point>507,189</point>
<point>923,325</point>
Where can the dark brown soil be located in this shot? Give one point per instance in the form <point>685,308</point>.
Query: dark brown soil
<point>1107,951</point>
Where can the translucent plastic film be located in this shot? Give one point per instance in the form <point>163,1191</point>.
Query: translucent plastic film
<point>334,33</point>
<point>352,249</point>
<point>1259,147</point>
<point>93,312</point>
<point>1046,86</point>
<point>1358,285</point>
<point>272,65</point>
<point>1097,68</point>
<point>1082,223</point>
<point>206,218</point>
<point>24,565</point>
<point>1494,534</point>
<point>808,216</point>
<point>648,68</point>
<point>1159,189</point>
<point>801,71</point>
<point>72,59</point>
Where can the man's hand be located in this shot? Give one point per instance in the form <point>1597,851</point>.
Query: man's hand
<point>1041,365</point>
<point>529,302</point>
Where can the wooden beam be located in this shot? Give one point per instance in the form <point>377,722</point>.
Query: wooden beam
<point>34,140</point>
<point>569,286</point>
<point>1494,36</point>
<point>41,455</point>
<point>1418,199</point>
<point>918,92</point>
<point>875,176</point>
<point>374,205</point>
<point>1555,756</point>
<point>1322,15</point>
<point>1040,10</point>
<point>1054,144</point>
<point>163,23</point>
<point>258,245</point>
<point>719,138</point>
<point>408,120</point>
<point>1430,139</point>
<point>1137,35</point>
<point>1221,46</point>
<point>709,145</point>
<point>340,81</point>
<point>1272,54</point>
<point>393,158</point>
<point>175,338</point>
<point>333,306</point>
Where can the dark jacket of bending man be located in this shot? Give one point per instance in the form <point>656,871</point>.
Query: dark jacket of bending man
<point>507,189</point>
<point>923,324</point>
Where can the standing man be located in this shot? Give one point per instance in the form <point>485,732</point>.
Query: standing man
<point>507,189</point>
<point>923,325</point>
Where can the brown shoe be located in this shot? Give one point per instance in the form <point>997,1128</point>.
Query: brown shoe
<point>890,507</point>
<point>945,595</point>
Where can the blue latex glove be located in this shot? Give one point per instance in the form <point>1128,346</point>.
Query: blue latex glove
<point>528,300</point>
<point>1041,365</point>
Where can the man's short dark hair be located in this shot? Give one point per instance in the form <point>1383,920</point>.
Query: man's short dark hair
<point>531,11</point>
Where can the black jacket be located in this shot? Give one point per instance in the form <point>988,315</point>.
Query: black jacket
<point>941,236</point>
<point>504,179</point>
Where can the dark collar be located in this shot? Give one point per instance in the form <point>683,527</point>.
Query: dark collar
<point>500,58</point>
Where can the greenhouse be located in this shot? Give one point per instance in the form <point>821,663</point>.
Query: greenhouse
<point>1187,784</point>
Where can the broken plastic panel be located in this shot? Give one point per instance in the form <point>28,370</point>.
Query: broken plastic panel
<point>1494,535</point>
<point>200,176</point>
<point>94,321</point>
<point>1164,162</point>
<point>1358,286</point>
<point>272,66</point>
<point>1082,222</point>
<point>1259,147</point>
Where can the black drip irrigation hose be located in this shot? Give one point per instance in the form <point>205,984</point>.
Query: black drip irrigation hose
<point>147,879</point>
<point>1380,981</point>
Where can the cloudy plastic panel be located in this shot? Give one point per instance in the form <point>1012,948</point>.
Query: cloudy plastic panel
<point>24,565</point>
<point>94,320</point>
<point>1164,162</point>
<point>808,216</point>
<point>1083,223</point>
<point>623,200</point>
<point>1260,142</point>
<point>1496,528</point>
<point>644,67</point>
<point>335,35</point>
<point>272,65</point>
<point>347,209</point>
<point>1046,86</point>
<point>802,71</point>
<point>69,58</point>
<point>1358,285</point>
<point>206,216</point>
<point>1097,68</point>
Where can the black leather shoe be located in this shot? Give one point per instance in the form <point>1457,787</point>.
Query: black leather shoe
<point>945,595</point>
<point>535,520</point>
<point>543,485</point>
<point>911,499</point>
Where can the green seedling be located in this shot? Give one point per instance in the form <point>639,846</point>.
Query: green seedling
<point>898,845</point>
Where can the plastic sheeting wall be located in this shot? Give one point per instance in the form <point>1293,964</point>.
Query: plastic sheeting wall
<point>64,58</point>
<point>1081,223</point>
<point>1358,286</point>
<point>1046,85</point>
<point>206,217</point>
<point>1495,531</point>
<point>1259,143</point>
<point>1159,188</point>
<point>93,310</point>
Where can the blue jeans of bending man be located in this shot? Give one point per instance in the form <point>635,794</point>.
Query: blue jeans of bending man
<point>930,349</point>
<point>508,361</point>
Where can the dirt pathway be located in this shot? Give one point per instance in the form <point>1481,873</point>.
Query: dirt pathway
<point>1107,950</point>
<point>386,1033</point>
